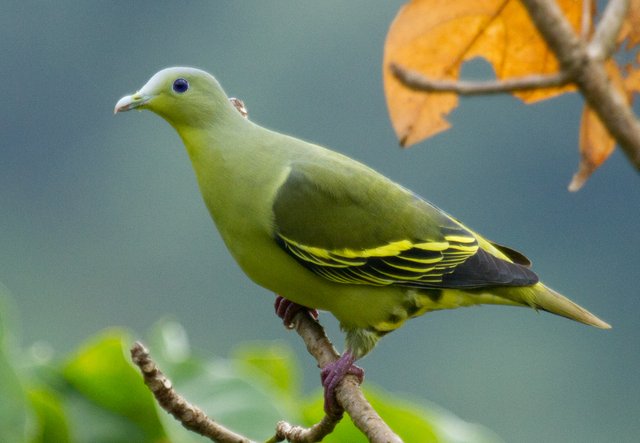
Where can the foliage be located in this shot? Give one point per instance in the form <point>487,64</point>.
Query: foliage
<point>96,394</point>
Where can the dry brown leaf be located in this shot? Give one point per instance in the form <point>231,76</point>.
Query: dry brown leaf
<point>595,147</point>
<point>434,38</point>
<point>632,78</point>
<point>596,144</point>
<point>631,26</point>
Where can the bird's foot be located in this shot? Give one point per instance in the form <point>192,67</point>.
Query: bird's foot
<point>287,310</point>
<point>332,374</point>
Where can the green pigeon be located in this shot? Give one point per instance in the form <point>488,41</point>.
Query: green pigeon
<point>324,231</point>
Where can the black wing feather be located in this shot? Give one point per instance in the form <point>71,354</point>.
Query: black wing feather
<point>483,269</point>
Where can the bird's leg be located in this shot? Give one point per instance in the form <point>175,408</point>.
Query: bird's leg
<point>287,310</point>
<point>332,374</point>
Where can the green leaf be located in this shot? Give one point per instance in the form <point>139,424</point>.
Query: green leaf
<point>169,342</point>
<point>100,371</point>
<point>236,398</point>
<point>13,403</point>
<point>52,424</point>
<point>275,361</point>
<point>89,422</point>
<point>413,422</point>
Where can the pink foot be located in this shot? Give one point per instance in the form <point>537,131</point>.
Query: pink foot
<point>287,310</point>
<point>332,374</point>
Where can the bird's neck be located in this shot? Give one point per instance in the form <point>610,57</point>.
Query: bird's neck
<point>211,157</point>
<point>228,169</point>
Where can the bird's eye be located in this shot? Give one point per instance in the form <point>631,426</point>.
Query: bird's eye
<point>180,85</point>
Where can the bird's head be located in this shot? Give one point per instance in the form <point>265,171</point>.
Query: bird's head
<point>182,96</point>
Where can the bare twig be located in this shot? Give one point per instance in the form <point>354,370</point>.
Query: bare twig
<point>190,416</point>
<point>588,74</point>
<point>419,82</point>
<point>298,434</point>
<point>603,43</point>
<point>585,19</point>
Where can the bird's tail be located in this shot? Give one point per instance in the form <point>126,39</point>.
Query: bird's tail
<point>542,297</point>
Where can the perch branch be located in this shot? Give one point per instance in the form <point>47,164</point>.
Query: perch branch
<point>190,416</point>
<point>348,392</point>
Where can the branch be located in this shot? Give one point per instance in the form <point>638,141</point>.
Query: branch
<point>419,82</point>
<point>579,64</point>
<point>190,416</point>
<point>585,20</point>
<point>603,43</point>
<point>588,73</point>
<point>285,431</point>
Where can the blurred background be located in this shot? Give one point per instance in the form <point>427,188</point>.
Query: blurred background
<point>102,223</point>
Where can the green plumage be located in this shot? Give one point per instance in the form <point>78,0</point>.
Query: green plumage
<point>327,232</point>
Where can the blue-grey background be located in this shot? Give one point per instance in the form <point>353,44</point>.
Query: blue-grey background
<point>102,224</point>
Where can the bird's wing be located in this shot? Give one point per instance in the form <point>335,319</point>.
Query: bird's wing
<point>350,225</point>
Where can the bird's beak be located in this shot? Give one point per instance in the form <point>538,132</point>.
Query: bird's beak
<point>129,102</point>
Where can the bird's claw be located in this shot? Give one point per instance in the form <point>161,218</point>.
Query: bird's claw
<point>287,310</point>
<point>331,376</point>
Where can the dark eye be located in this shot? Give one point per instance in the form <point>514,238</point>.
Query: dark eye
<point>180,85</point>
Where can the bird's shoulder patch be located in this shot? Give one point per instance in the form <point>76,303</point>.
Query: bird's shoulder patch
<point>337,206</point>
<point>352,227</point>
